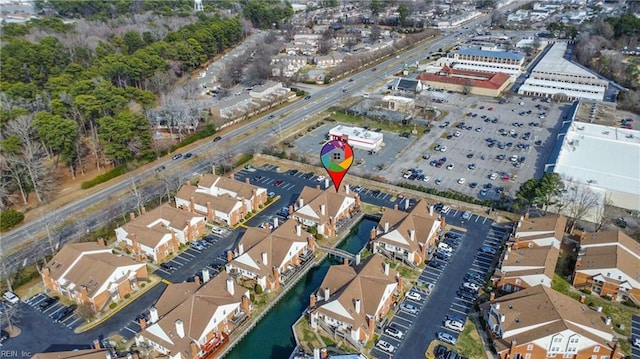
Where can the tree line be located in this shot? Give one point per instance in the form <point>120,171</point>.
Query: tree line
<point>75,103</point>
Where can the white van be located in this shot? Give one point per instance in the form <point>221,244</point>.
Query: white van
<point>444,247</point>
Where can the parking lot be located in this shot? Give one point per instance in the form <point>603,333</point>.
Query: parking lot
<point>54,311</point>
<point>472,257</point>
<point>635,337</point>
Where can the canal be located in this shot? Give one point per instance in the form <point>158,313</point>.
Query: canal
<point>272,337</point>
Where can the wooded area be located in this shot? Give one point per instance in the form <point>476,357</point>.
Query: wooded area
<point>77,93</point>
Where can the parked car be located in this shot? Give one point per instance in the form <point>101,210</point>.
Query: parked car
<point>271,194</point>
<point>466,215</point>
<point>278,183</point>
<point>49,301</point>
<point>167,266</point>
<point>487,249</point>
<point>447,338</point>
<point>197,245</point>
<point>453,325</point>
<point>414,295</point>
<point>445,256</point>
<point>64,313</point>
<point>466,295</point>
<point>436,264</point>
<point>441,352</point>
<point>394,332</point>
<point>217,230</point>
<point>11,297</point>
<point>385,346</point>
<point>410,308</point>
<point>471,286</point>
<point>456,318</point>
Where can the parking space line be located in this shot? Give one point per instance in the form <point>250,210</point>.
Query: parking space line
<point>408,325</point>
<point>175,259</point>
<point>458,311</point>
<point>131,330</point>
<point>188,254</point>
<point>54,306</point>
<point>72,323</point>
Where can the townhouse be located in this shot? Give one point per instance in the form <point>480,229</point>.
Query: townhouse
<point>270,257</point>
<point>186,325</point>
<point>608,264</point>
<point>539,322</point>
<point>221,199</point>
<point>156,235</point>
<point>407,235</point>
<point>539,232</point>
<point>521,268</point>
<point>325,208</point>
<point>91,274</point>
<point>351,300</point>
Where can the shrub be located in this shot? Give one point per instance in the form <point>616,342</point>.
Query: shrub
<point>10,218</point>
<point>252,297</point>
<point>631,304</point>
<point>586,291</point>
<point>127,296</point>
<point>112,305</point>
<point>115,172</point>
<point>257,288</point>
<point>206,132</point>
<point>143,285</point>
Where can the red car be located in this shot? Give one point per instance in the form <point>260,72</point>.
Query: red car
<point>277,183</point>
<point>506,178</point>
<point>490,109</point>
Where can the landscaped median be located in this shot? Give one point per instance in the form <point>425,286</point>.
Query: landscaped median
<point>102,317</point>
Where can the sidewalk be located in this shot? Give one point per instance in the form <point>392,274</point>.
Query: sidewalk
<point>483,336</point>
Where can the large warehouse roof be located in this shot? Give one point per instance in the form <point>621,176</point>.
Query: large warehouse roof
<point>554,62</point>
<point>604,156</point>
<point>492,54</point>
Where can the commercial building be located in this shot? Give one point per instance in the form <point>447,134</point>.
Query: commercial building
<point>466,81</point>
<point>357,137</point>
<point>595,154</point>
<point>90,273</point>
<point>609,265</point>
<point>554,76</point>
<point>473,59</point>
<point>539,322</point>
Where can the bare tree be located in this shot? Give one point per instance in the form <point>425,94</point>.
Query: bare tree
<point>603,214</point>
<point>580,200</point>
<point>467,87</point>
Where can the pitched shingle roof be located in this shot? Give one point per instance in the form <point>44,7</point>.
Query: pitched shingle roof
<point>467,78</point>
<point>224,203</point>
<point>608,250</point>
<point>401,223</point>
<point>241,189</point>
<point>541,227</point>
<point>529,261</point>
<point>314,198</point>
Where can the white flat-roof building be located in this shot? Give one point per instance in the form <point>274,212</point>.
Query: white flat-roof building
<point>556,76</point>
<point>604,158</point>
<point>357,137</point>
<point>485,61</point>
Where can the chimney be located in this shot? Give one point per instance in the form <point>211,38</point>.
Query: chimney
<point>386,268</point>
<point>497,305</point>
<point>431,210</point>
<point>607,320</point>
<point>327,293</point>
<point>231,286</point>
<point>96,344</point>
<point>240,249</point>
<point>317,186</point>
<point>520,221</point>
<point>192,204</point>
<point>400,282</point>
<point>526,216</point>
<point>265,260</point>
<point>599,309</point>
<point>324,354</point>
<point>312,300</point>
<point>502,318</point>
<point>205,275</point>
<point>373,233</point>
<point>180,328</point>
<point>153,315</point>
<point>357,305</point>
<point>245,305</point>
<point>316,353</point>
<point>326,183</point>
<point>358,259</point>
<point>514,344</point>
<point>275,222</point>
<point>229,256</point>
<point>412,235</point>
<point>583,298</point>
<point>143,210</point>
<point>102,242</point>
<point>132,216</point>
<point>346,261</point>
<point>386,227</point>
<point>395,206</point>
<point>196,279</point>
<point>322,209</point>
<point>311,243</point>
<point>300,202</point>
<point>346,188</point>
<point>492,296</point>
<point>194,350</point>
<point>143,323</point>
<point>246,180</point>
<point>298,229</point>
<point>290,209</point>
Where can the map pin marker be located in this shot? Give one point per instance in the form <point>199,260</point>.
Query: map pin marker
<point>336,157</point>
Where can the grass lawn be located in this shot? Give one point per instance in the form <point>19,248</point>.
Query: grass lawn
<point>389,126</point>
<point>469,342</point>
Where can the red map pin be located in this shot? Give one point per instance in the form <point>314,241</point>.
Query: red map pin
<point>336,157</point>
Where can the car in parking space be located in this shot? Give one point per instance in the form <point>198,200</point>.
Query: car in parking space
<point>387,347</point>
<point>636,341</point>
<point>292,172</point>
<point>450,166</point>
<point>473,184</point>
<point>466,215</point>
<point>47,302</point>
<point>167,266</point>
<point>473,275</point>
<point>11,297</point>
<point>414,295</point>
<point>64,313</point>
<point>487,249</point>
<point>483,192</point>
<point>409,308</point>
<point>308,175</point>
<point>446,337</point>
<point>456,318</point>
<point>394,332</point>
<point>471,286</point>
<point>217,230</point>
<point>436,264</point>
<point>438,182</point>
<point>445,209</point>
<point>271,194</point>
<point>320,179</point>
<point>445,256</point>
<point>197,245</point>
<point>278,183</point>
<point>466,295</point>
<point>493,176</point>
<point>453,325</point>
<point>461,180</point>
<point>441,352</point>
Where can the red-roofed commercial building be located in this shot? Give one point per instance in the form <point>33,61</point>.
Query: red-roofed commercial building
<point>467,81</point>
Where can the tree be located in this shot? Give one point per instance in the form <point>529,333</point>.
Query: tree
<point>375,33</point>
<point>403,12</point>
<point>60,135</point>
<point>603,214</point>
<point>527,194</point>
<point>125,136</point>
<point>376,7</point>
<point>578,201</point>
<point>547,187</point>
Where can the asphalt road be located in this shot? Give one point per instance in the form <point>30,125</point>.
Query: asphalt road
<point>635,336</point>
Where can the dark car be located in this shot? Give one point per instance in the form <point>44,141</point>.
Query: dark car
<point>308,175</point>
<point>218,138</point>
<point>466,295</point>
<point>49,301</point>
<point>188,155</point>
<point>4,336</point>
<point>292,172</point>
<point>64,313</point>
<point>278,183</point>
<point>307,97</point>
<point>441,352</point>
<point>443,256</point>
<point>435,264</point>
<point>456,318</point>
<point>141,316</point>
<point>167,266</point>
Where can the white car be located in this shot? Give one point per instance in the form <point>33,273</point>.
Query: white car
<point>407,174</point>
<point>493,176</point>
<point>394,332</point>
<point>466,215</point>
<point>11,297</point>
<point>320,179</point>
<point>443,149</point>
<point>444,247</point>
<point>450,166</point>
<point>636,342</point>
<point>453,325</point>
<point>457,134</point>
<point>414,295</point>
<point>471,286</point>
<point>445,210</point>
<point>217,230</point>
<point>461,180</point>
<point>385,346</point>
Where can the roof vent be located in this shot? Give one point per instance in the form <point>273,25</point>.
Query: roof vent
<point>510,306</point>
<point>517,320</point>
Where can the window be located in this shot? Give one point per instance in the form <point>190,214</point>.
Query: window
<point>557,339</point>
<point>530,347</point>
<point>596,349</point>
<point>567,355</point>
<point>574,340</point>
<point>604,357</point>
<point>527,356</point>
